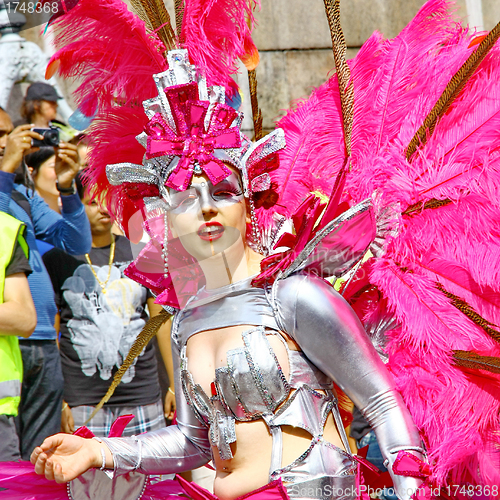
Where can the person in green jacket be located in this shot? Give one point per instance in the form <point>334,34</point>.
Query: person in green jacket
<point>17,318</point>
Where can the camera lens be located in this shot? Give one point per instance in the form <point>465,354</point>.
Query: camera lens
<point>52,137</point>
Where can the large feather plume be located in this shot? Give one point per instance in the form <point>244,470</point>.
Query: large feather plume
<point>453,89</point>
<point>440,272</point>
<point>387,81</point>
<point>217,33</point>
<point>110,72</point>
<point>400,79</point>
<point>456,411</point>
<point>315,151</point>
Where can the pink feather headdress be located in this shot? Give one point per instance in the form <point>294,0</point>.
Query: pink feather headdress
<point>114,56</point>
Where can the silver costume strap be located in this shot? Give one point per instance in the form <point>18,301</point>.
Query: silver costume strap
<point>340,427</point>
<point>277,451</point>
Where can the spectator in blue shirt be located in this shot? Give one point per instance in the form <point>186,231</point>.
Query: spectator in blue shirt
<point>40,408</point>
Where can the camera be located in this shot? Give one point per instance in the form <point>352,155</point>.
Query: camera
<point>50,137</point>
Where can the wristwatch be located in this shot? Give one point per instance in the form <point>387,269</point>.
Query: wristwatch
<point>70,190</point>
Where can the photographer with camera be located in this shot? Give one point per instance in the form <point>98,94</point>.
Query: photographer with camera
<point>39,108</point>
<point>40,105</point>
<point>40,408</point>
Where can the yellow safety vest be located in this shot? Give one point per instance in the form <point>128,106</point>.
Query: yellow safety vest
<point>11,364</point>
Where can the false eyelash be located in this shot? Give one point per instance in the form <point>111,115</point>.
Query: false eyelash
<point>236,192</point>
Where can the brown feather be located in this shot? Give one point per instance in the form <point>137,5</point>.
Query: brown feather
<point>157,19</point>
<point>256,112</point>
<point>141,13</point>
<point>416,208</point>
<point>466,309</point>
<point>179,16</point>
<point>147,333</point>
<point>469,359</point>
<point>346,89</point>
<point>451,91</point>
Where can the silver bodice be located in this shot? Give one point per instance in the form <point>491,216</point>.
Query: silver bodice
<point>252,385</point>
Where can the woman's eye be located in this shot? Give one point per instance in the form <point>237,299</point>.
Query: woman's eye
<point>185,201</point>
<point>188,200</point>
<point>226,194</point>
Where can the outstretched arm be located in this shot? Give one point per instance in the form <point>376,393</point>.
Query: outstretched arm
<point>332,337</point>
<point>177,448</point>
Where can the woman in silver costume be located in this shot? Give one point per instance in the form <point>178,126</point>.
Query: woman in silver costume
<point>254,366</point>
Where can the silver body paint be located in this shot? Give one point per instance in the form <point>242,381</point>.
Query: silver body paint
<point>252,385</point>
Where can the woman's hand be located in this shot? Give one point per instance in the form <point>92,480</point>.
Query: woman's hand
<point>169,407</point>
<point>67,164</point>
<point>64,457</point>
<point>18,143</point>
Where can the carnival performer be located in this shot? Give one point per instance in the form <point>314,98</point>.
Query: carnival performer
<point>259,338</point>
<point>257,395</point>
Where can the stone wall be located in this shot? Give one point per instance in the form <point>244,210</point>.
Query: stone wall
<point>295,46</point>
<point>491,13</point>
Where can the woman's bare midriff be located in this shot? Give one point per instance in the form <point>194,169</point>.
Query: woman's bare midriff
<point>249,467</point>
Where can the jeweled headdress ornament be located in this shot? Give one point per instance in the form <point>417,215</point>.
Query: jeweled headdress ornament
<point>192,131</point>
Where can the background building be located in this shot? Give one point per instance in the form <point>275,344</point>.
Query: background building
<point>295,46</point>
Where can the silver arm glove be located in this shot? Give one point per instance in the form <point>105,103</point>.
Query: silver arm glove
<point>332,337</point>
<point>177,448</point>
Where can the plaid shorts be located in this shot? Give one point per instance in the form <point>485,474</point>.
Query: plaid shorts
<point>147,418</point>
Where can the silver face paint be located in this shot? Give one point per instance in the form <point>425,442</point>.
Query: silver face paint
<point>208,219</point>
<point>202,194</point>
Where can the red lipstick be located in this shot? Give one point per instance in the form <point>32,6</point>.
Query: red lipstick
<point>211,231</point>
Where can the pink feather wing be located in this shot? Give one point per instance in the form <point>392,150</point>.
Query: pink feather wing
<point>456,245</point>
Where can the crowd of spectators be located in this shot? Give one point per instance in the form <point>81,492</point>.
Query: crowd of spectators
<point>68,314</point>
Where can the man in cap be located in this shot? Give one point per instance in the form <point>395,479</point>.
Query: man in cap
<point>40,105</point>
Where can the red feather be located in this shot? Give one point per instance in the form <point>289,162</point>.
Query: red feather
<point>216,34</point>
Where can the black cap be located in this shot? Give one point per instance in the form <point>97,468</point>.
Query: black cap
<point>40,91</point>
